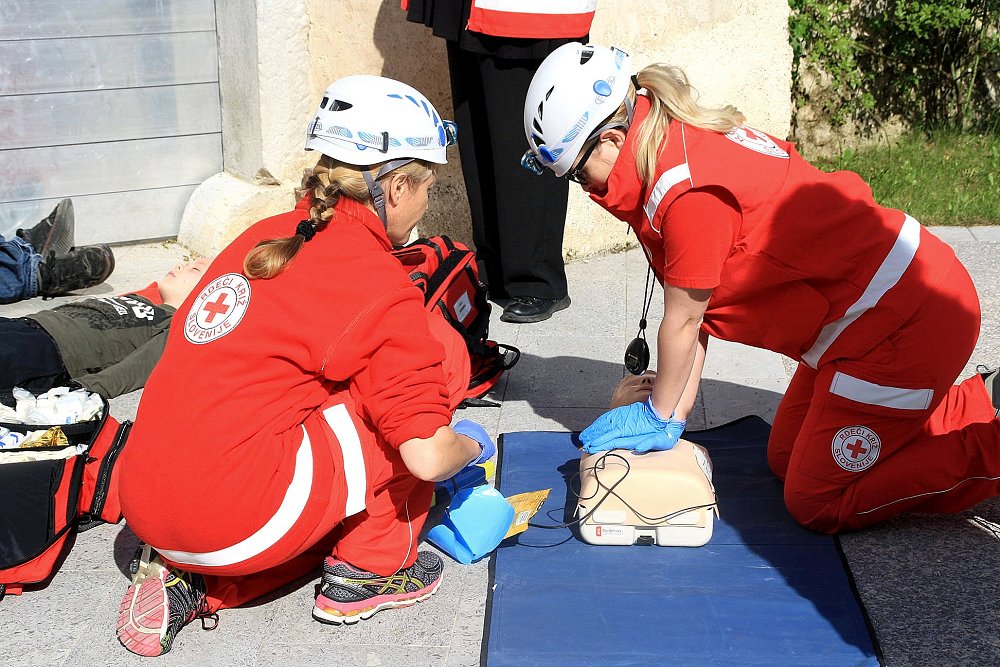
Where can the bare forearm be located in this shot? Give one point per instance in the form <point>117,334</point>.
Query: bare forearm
<point>686,403</point>
<point>677,351</point>
<point>440,456</point>
<point>680,351</point>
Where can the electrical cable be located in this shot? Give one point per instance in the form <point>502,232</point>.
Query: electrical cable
<point>610,491</point>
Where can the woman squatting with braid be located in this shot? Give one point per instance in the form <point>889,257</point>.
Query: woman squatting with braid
<point>317,395</point>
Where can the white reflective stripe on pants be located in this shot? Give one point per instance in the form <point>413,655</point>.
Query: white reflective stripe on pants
<point>295,497</point>
<point>888,274</point>
<point>354,461</point>
<point>869,393</point>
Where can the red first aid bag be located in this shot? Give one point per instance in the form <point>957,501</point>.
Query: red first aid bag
<point>47,493</point>
<point>447,274</point>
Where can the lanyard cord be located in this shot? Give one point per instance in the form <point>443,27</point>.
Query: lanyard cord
<point>637,352</point>
<point>647,301</point>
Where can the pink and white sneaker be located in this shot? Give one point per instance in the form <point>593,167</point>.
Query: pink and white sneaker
<point>160,601</point>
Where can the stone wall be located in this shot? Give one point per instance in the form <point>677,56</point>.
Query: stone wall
<point>815,133</point>
<point>276,59</point>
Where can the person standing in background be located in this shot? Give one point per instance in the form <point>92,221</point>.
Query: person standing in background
<point>517,220</point>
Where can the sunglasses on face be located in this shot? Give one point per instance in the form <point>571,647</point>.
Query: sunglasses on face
<point>576,174</point>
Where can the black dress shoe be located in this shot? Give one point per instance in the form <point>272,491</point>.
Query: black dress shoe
<point>526,309</point>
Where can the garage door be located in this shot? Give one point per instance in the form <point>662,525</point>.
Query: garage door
<point>114,104</point>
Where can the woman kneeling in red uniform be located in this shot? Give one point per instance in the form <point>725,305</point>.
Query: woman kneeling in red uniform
<point>754,245</point>
<point>301,409</point>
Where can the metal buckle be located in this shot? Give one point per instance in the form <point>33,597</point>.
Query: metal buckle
<point>450,132</point>
<point>530,162</point>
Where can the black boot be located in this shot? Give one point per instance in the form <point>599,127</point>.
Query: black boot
<point>80,268</point>
<point>54,233</point>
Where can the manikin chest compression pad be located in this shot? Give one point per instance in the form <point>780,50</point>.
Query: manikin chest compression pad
<point>660,497</point>
<point>762,592</point>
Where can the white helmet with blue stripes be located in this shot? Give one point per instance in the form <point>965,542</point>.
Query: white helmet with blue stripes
<point>364,120</point>
<point>576,88</point>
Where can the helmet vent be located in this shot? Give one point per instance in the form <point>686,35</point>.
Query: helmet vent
<point>586,55</point>
<point>322,105</point>
<point>548,94</point>
<point>340,105</point>
<point>534,124</point>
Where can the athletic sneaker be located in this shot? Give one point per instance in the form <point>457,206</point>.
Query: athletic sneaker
<point>80,268</point>
<point>54,233</point>
<point>160,601</point>
<point>348,595</point>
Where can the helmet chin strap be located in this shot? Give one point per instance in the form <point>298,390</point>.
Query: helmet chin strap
<point>629,113</point>
<point>375,189</point>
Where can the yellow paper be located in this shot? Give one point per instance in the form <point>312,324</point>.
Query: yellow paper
<point>525,506</point>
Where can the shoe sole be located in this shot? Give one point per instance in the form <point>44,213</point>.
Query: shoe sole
<point>515,319</point>
<point>61,228</point>
<point>62,225</point>
<point>143,618</point>
<point>143,568</point>
<point>335,617</point>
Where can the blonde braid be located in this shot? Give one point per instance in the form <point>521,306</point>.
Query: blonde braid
<point>269,257</point>
<point>324,184</point>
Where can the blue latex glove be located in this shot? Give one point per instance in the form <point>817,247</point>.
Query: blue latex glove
<point>636,426</point>
<point>473,430</point>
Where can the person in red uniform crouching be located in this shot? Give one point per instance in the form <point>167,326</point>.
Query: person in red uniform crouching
<point>301,409</point>
<point>754,245</point>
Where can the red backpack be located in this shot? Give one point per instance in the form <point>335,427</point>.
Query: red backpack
<point>42,503</point>
<point>446,272</point>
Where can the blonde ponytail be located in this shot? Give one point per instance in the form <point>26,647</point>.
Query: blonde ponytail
<point>671,96</point>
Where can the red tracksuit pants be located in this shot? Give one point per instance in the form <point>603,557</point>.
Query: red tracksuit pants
<point>350,495</point>
<point>858,441</point>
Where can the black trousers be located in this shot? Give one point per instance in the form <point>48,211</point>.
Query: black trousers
<point>29,358</point>
<point>518,218</point>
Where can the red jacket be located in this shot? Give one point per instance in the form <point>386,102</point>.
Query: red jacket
<point>814,269</point>
<point>247,361</point>
<point>546,19</point>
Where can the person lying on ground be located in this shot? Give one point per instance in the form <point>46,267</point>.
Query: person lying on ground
<point>108,345</point>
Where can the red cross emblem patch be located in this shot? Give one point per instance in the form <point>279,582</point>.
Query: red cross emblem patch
<point>218,309</point>
<point>755,140</point>
<point>855,448</point>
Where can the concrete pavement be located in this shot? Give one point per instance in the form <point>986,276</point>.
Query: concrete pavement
<point>929,582</point>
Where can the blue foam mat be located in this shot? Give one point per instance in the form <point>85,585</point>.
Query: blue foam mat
<point>763,591</point>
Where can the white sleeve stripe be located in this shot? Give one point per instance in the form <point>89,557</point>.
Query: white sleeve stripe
<point>888,274</point>
<point>276,527</point>
<point>667,180</point>
<point>869,393</point>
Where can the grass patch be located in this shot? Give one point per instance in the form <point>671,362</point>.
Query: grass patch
<point>947,179</point>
